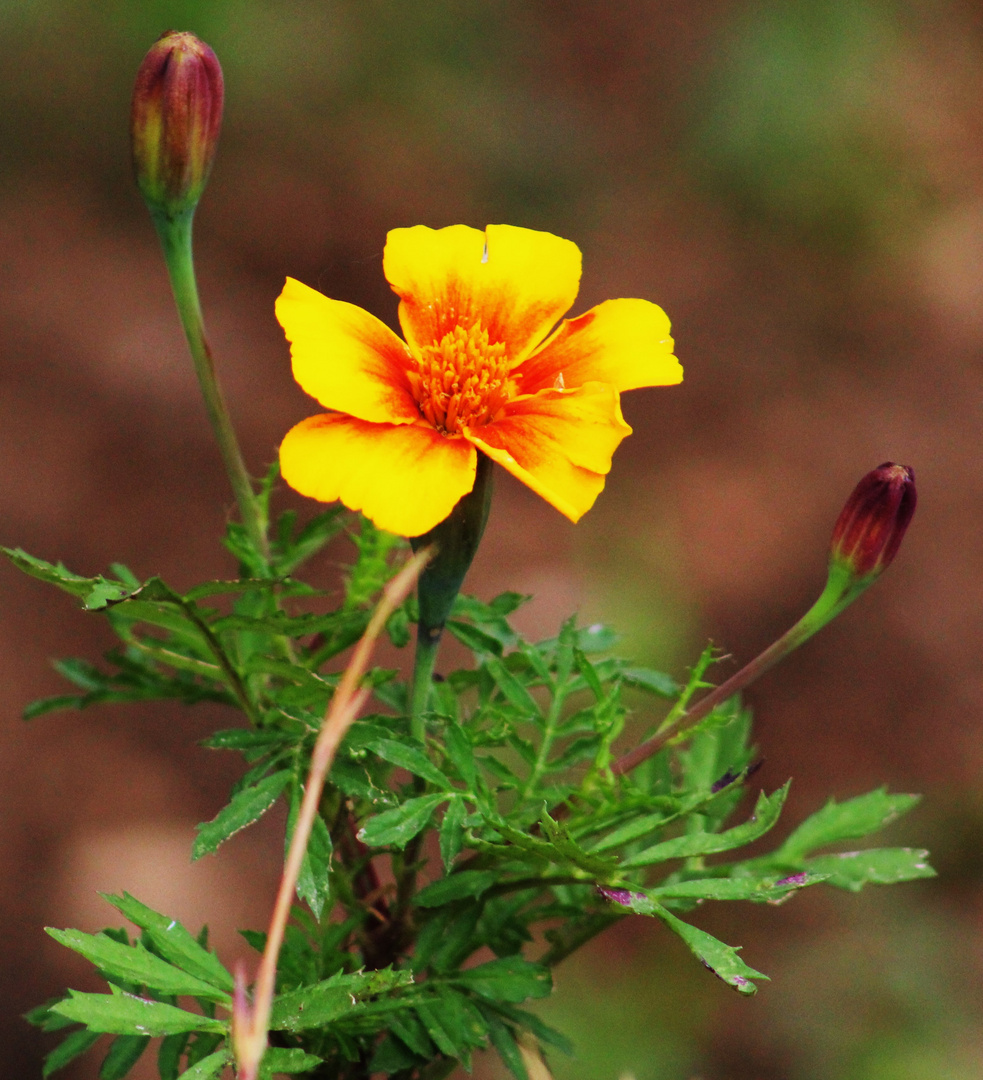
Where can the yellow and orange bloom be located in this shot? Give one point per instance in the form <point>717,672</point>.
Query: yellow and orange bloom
<point>479,371</point>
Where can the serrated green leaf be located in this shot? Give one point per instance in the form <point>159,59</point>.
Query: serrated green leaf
<point>460,886</point>
<point>460,752</point>
<point>68,1050</point>
<point>767,889</point>
<point>411,758</point>
<point>509,978</point>
<point>136,965</point>
<point>721,959</point>
<point>512,690</point>
<point>52,573</point>
<point>323,1003</point>
<point>766,813</point>
<point>397,827</point>
<point>173,941</point>
<point>279,1059</point>
<point>247,806</point>
<point>124,1052</point>
<point>127,1014</point>
<point>878,866</point>
<point>452,832</point>
<point>208,1067</point>
<point>407,1026</point>
<point>313,881</point>
<point>845,821</point>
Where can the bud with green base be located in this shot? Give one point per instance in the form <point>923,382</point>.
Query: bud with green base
<point>865,540</point>
<point>175,120</point>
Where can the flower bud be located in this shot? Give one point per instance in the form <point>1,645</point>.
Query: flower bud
<point>175,121</point>
<point>872,525</point>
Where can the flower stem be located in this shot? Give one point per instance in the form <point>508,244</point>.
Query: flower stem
<point>175,237</point>
<point>456,538</point>
<point>839,592</point>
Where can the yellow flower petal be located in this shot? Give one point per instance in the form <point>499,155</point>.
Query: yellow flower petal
<point>559,442</point>
<point>622,342</point>
<point>515,282</point>
<point>406,478</point>
<point>345,357</point>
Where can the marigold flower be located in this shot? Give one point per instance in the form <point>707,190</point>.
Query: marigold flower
<point>477,372</point>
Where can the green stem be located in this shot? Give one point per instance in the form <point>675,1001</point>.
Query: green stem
<point>842,588</point>
<point>426,658</point>
<point>175,237</point>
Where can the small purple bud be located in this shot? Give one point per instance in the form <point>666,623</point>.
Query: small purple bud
<point>725,781</point>
<point>175,120</point>
<point>872,525</point>
<point>794,880</point>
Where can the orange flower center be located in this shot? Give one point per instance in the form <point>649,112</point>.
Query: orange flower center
<point>462,381</point>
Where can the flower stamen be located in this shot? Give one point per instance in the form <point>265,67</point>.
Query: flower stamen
<point>462,381</point>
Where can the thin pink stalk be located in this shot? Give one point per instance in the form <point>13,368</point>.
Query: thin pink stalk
<point>251,1029</point>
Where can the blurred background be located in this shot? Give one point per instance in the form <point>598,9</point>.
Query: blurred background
<point>799,183</point>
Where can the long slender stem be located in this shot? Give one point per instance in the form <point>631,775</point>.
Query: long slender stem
<point>175,237</point>
<point>251,1030</point>
<point>830,603</point>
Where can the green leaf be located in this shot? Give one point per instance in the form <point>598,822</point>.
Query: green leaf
<point>124,1052</point>
<point>543,1032</point>
<point>509,978</point>
<point>327,1001</point>
<point>654,682</point>
<point>474,639</point>
<point>749,888</point>
<point>460,886</point>
<point>460,753</point>
<point>845,821</point>
<point>504,1042</point>
<point>246,806</point>
<point>411,758</point>
<point>52,573</point>
<point>313,881</point>
<point>173,941</point>
<point>452,832</point>
<point>878,866</point>
<point>208,1066</point>
<point>766,812</point>
<point>279,1059</point>
<point>169,1055</point>
<point>135,965</point>
<point>512,690</point>
<point>397,827</point>
<point>127,1014</point>
<point>68,1050</point>
<point>721,959</point>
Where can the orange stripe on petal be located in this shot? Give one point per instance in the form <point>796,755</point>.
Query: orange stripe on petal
<point>406,478</point>
<point>515,282</point>
<point>559,443</point>
<point>622,342</point>
<point>345,357</point>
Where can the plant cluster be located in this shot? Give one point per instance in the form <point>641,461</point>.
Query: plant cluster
<point>452,835</point>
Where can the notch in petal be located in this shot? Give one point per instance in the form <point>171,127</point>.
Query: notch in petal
<point>516,282</point>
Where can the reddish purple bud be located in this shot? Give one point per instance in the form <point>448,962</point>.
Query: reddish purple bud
<point>873,522</point>
<point>175,121</point>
